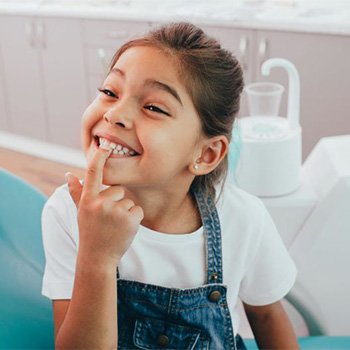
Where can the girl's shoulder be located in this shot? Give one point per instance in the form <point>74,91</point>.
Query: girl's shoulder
<point>242,212</point>
<point>231,197</point>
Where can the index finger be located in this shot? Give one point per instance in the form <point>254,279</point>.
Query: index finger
<point>94,172</point>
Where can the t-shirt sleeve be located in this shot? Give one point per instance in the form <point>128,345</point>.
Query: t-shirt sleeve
<point>60,248</point>
<point>271,272</point>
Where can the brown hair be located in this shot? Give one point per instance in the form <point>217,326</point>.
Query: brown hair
<point>212,76</point>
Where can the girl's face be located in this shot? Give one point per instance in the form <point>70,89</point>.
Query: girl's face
<point>144,107</point>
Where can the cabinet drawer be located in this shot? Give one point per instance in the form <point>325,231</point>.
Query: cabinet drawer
<point>98,60</point>
<point>112,34</point>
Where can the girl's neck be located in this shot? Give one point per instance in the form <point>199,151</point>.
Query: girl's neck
<point>173,213</point>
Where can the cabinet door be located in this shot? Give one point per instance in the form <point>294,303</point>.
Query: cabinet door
<point>97,60</point>
<point>323,65</point>
<point>101,40</point>
<point>64,78</point>
<point>4,118</point>
<point>22,76</point>
<point>242,44</point>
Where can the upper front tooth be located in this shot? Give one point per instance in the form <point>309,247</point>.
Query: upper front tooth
<point>112,145</point>
<point>104,143</point>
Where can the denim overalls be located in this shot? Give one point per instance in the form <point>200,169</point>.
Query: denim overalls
<point>156,317</point>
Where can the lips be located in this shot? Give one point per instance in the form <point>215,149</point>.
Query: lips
<point>115,140</point>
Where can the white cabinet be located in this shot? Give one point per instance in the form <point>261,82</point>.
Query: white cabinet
<point>101,40</point>
<point>44,77</point>
<point>22,77</point>
<point>64,79</point>
<point>4,117</point>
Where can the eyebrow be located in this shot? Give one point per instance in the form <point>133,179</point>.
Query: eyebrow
<point>162,86</point>
<point>117,70</point>
<point>154,84</point>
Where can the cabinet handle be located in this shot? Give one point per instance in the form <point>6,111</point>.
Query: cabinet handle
<point>262,52</point>
<point>29,29</point>
<point>101,53</point>
<point>41,34</point>
<point>243,49</point>
<point>117,34</point>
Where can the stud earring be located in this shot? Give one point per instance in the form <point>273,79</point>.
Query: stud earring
<point>196,166</point>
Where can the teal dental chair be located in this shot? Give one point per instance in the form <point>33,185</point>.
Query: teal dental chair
<point>26,320</point>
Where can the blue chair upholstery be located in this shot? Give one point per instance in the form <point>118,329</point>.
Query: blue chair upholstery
<point>312,343</point>
<point>25,315</point>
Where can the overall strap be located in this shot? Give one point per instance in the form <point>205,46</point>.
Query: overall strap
<point>212,232</point>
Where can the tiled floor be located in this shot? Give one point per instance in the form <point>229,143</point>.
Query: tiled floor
<point>42,173</point>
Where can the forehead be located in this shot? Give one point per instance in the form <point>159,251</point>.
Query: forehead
<point>144,62</point>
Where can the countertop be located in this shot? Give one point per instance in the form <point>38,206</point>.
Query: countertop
<point>332,17</point>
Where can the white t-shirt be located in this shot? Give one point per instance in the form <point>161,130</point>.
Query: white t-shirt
<point>257,268</point>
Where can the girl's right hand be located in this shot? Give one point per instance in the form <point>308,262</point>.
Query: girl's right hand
<point>107,220</point>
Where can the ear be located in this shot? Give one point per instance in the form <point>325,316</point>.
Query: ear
<point>213,152</point>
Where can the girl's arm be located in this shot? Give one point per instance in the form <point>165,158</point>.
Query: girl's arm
<point>89,319</point>
<point>271,326</point>
<point>108,222</point>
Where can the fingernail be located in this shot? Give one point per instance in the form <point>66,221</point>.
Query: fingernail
<point>68,176</point>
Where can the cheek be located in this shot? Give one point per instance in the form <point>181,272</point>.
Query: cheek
<point>155,141</point>
<point>91,116</point>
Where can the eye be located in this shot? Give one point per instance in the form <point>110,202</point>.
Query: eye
<point>107,92</point>
<point>156,109</point>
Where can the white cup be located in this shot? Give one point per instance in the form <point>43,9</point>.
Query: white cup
<point>264,98</point>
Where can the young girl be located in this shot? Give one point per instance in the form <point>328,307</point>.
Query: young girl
<point>154,250</point>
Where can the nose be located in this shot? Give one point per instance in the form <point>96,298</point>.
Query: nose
<point>120,116</point>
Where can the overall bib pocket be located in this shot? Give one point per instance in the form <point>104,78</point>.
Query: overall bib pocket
<point>152,333</point>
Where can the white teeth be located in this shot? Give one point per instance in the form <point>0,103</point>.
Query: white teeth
<point>104,143</point>
<point>112,145</point>
<point>117,149</point>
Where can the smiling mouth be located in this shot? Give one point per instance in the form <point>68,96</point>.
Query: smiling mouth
<point>119,151</point>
